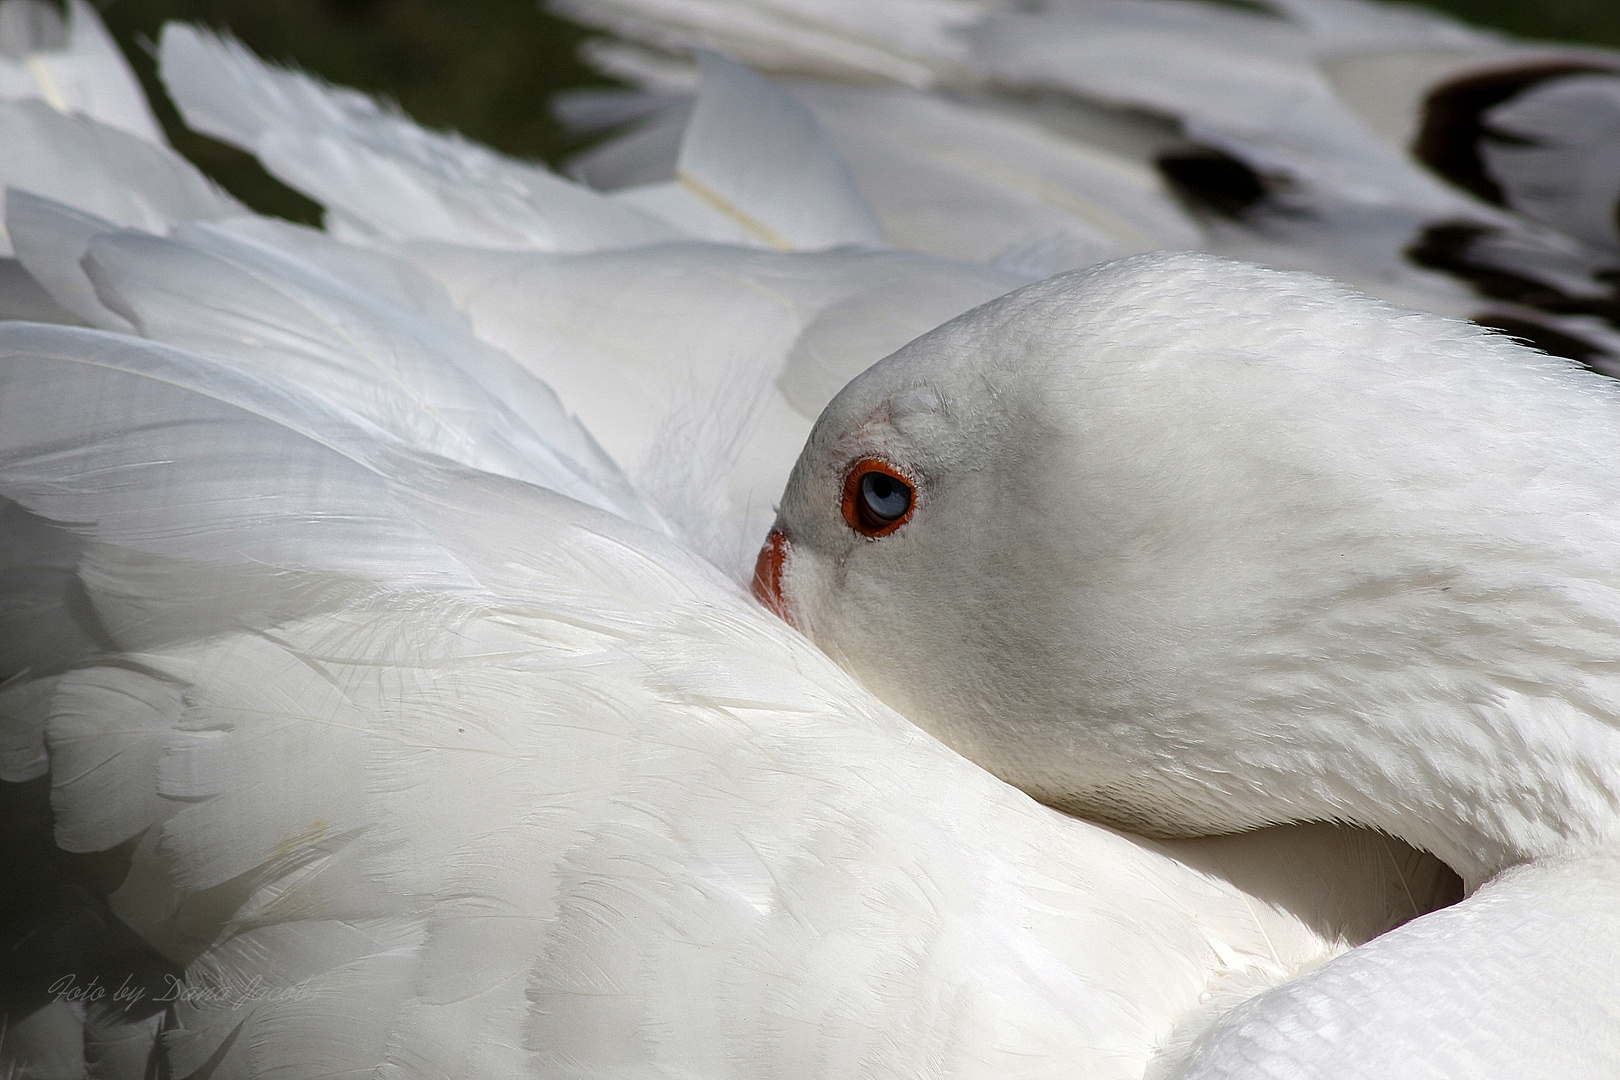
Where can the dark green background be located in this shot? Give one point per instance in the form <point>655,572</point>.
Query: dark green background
<point>486,67</point>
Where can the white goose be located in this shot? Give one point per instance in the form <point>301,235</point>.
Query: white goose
<point>412,764</point>
<point>656,909</point>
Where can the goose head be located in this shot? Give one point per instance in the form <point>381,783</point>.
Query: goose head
<point>1193,547</point>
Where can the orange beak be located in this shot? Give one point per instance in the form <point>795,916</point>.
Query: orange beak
<point>767,584</point>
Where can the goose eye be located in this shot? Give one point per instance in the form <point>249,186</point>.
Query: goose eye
<point>886,497</point>
<point>877,498</point>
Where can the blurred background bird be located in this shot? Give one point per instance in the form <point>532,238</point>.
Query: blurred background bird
<point>486,68</point>
<point>517,76</point>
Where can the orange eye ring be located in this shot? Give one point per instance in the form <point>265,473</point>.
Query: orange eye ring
<point>878,498</point>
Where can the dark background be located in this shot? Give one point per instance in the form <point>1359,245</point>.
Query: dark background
<point>486,67</point>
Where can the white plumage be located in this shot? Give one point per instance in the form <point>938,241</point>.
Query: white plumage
<point>431,743</point>
<point>491,783</point>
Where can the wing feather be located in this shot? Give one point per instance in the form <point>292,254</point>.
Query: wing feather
<point>381,174</point>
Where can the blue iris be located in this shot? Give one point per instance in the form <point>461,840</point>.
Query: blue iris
<point>886,498</point>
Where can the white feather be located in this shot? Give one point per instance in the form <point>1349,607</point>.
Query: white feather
<point>910,42</point>
<point>73,65</point>
<point>50,239</point>
<point>759,156</point>
<point>435,387</point>
<point>105,725</point>
<point>225,450</point>
<point>700,367</point>
<point>1240,81</point>
<point>964,181</point>
<point>380,174</point>
<point>43,614</point>
<point>103,171</point>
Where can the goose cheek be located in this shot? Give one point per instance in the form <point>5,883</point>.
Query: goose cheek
<point>767,583</point>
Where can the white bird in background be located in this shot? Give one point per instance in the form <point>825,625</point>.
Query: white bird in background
<point>1435,165</point>
<point>360,593</point>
